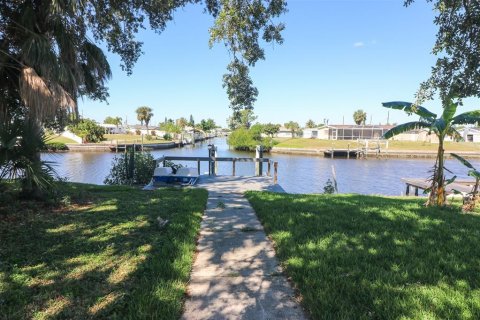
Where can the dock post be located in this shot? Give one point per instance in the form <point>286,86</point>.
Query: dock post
<point>216,163</point>
<point>211,159</point>
<point>416,191</point>
<point>233,167</point>
<point>142,142</point>
<point>269,165</point>
<point>348,151</point>
<point>333,151</point>
<point>258,164</point>
<point>275,172</point>
<point>198,166</point>
<point>407,192</point>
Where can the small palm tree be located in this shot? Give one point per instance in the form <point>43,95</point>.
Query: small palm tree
<point>144,114</point>
<point>441,127</point>
<point>310,124</point>
<point>360,117</point>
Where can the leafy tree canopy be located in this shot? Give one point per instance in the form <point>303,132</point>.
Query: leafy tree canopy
<point>241,119</point>
<point>271,129</point>
<point>207,125</point>
<point>113,120</point>
<point>456,72</point>
<point>46,44</point>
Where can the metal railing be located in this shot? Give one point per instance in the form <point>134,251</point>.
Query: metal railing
<point>213,161</point>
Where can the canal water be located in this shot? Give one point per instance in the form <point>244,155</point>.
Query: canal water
<point>296,173</point>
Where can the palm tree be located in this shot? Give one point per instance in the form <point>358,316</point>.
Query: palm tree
<point>46,64</point>
<point>441,127</point>
<point>293,127</point>
<point>359,117</point>
<point>144,114</point>
<point>310,124</point>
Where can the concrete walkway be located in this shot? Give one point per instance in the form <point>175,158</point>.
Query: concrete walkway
<point>236,274</point>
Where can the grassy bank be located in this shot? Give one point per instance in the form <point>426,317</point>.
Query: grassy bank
<point>102,256</point>
<point>359,257</point>
<point>392,145</point>
<point>59,139</point>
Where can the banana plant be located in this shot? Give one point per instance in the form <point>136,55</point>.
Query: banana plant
<point>442,127</point>
<point>470,204</point>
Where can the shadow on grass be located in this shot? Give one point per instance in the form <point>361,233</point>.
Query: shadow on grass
<point>106,259</point>
<point>354,256</point>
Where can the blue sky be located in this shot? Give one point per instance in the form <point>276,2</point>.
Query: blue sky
<point>338,56</point>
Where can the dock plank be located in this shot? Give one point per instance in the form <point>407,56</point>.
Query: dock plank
<point>464,186</point>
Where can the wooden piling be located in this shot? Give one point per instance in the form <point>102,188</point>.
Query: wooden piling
<point>275,172</point>
<point>269,165</point>
<point>233,167</point>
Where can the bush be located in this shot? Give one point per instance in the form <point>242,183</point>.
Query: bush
<point>329,187</point>
<point>88,130</point>
<point>148,137</point>
<point>247,139</point>
<point>122,168</point>
<point>167,137</point>
<point>153,133</point>
<point>56,146</point>
<point>138,132</point>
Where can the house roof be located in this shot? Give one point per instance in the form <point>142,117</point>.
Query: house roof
<point>360,127</point>
<point>142,127</point>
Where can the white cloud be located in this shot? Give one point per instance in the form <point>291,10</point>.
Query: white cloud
<point>359,44</point>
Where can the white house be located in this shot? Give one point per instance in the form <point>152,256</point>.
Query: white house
<point>113,129</point>
<point>316,133</point>
<point>286,133</point>
<point>347,132</point>
<point>470,134</point>
<point>141,129</point>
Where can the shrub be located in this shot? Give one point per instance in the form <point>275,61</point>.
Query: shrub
<point>88,130</point>
<point>167,137</point>
<point>153,133</point>
<point>138,132</point>
<point>248,139</point>
<point>56,146</point>
<point>122,167</point>
<point>148,137</point>
<point>329,187</point>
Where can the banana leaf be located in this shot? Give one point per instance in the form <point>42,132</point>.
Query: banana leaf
<point>470,117</point>
<point>462,160</point>
<point>401,128</point>
<point>449,111</point>
<point>410,108</point>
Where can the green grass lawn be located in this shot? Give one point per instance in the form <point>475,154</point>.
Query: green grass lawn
<point>59,139</point>
<point>362,257</point>
<point>392,145</point>
<point>103,256</point>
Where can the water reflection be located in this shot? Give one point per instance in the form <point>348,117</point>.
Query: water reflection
<point>296,173</point>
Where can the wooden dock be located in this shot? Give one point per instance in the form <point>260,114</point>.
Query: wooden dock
<point>463,186</point>
<point>342,153</point>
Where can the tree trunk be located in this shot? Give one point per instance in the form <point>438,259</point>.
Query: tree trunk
<point>437,192</point>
